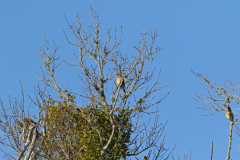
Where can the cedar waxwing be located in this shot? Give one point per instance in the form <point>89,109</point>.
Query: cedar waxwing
<point>120,81</point>
<point>145,158</point>
<point>229,114</point>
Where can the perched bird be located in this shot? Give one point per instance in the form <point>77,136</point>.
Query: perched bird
<point>120,81</point>
<point>229,114</point>
<point>145,158</point>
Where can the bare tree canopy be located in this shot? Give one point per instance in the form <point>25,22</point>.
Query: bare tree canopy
<point>224,95</point>
<point>118,91</point>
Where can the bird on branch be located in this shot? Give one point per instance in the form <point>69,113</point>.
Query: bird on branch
<point>229,114</point>
<point>120,81</point>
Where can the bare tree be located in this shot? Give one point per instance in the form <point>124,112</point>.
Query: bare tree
<point>99,61</point>
<point>218,99</point>
<point>18,130</point>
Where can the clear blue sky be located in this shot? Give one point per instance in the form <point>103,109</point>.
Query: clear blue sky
<point>200,35</point>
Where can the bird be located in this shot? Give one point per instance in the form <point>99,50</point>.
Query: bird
<point>229,114</point>
<point>120,81</point>
<point>145,158</point>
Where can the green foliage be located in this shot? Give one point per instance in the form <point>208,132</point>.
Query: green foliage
<point>68,130</point>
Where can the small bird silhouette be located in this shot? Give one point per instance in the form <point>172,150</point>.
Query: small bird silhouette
<point>145,158</point>
<point>229,114</point>
<point>120,81</point>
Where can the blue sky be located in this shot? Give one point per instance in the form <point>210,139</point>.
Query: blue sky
<point>200,35</point>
